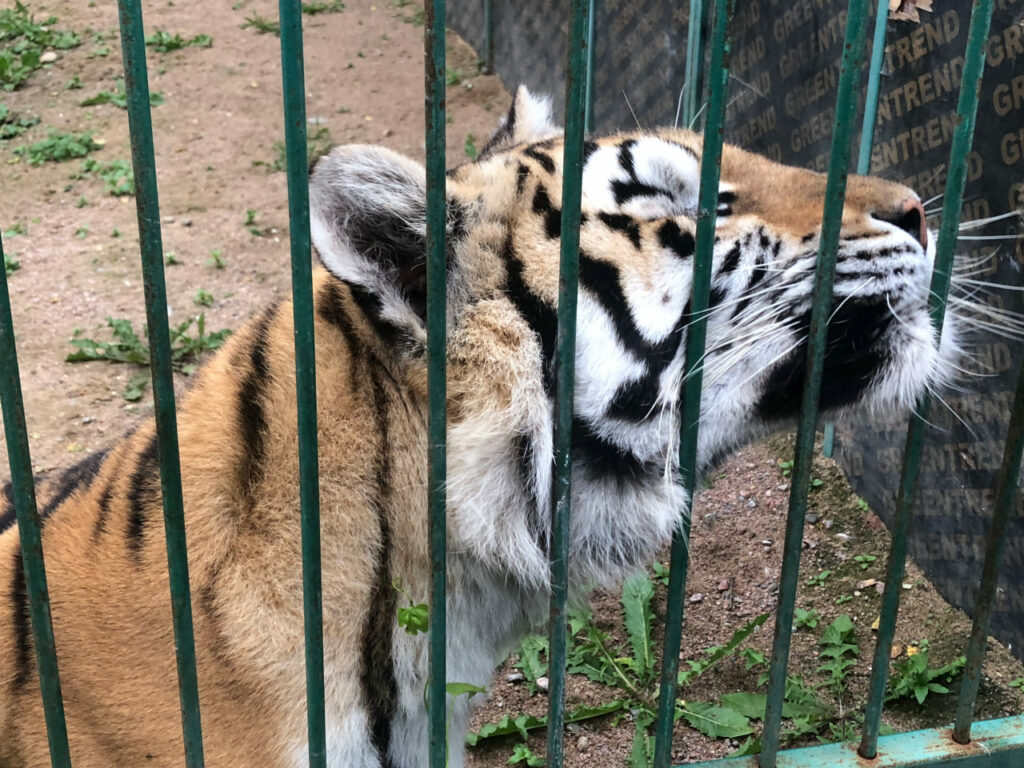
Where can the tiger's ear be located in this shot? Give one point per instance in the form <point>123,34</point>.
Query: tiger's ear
<point>528,119</point>
<point>368,224</point>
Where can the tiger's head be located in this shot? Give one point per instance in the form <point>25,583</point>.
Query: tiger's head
<point>636,256</point>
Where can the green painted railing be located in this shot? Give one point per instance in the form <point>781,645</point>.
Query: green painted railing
<point>991,744</point>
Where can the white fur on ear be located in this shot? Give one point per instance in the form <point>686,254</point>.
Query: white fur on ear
<point>529,119</point>
<point>365,201</point>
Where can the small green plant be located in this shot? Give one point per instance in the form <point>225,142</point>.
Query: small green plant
<point>414,618</point>
<point>1017,683</point>
<point>839,652</point>
<point>58,148</point>
<point>118,176</point>
<point>786,468</point>
<point>203,298</point>
<point>914,679</point>
<point>862,505</point>
<point>216,260</point>
<point>74,84</point>
<point>82,231</point>
<point>99,52</point>
<point>805,619</point>
<point>470,148</point>
<point>12,126</point>
<point>81,202</point>
<point>17,228</point>
<point>250,222</point>
<point>661,573</point>
<point>119,97</point>
<point>817,482</point>
<point>11,264</point>
<point>126,346</point>
<point>864,561</point>
<point>318,144</point>
<point>819,580</point>
<point>314,8</point>
<point>843,599</point>
<point>115,232</point>
<point>162,41</point>
<point>171,259</point>
<point>262,25</point>
<point>23,40</point>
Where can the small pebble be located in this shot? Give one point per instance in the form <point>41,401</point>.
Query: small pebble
<point>783,486</point>
<point>582,744</point>
<point>811,519</point>
<point>844,537</point>
<point>48,58</point>
<point>186,222</point>
<point>766,542</point>
<point>879,587</point>
<point>88,420</point>
<point>168,219</point>
<point>751,503</point>
<point>827,524</point>
<point>696,597</point>
<point>543,683</point>
<point>516,677</point>
<point>723,585</point>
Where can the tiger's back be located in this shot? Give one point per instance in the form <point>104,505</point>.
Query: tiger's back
<point>103,534</point>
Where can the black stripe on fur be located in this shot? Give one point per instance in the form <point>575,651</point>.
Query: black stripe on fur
<point>252,421</point>
<point>22,624</point>
<point>143,493</point>
<point>380,688</point>
<point>538,315</point>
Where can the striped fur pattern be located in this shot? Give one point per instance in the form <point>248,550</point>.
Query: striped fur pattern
<point>103,534</point>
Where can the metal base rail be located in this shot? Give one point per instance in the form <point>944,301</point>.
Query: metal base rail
<point>995,744</point>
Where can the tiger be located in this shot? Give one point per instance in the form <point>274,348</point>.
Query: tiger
<point>103,538</point>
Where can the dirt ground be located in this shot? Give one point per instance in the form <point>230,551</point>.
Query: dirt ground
<point>215,138</point>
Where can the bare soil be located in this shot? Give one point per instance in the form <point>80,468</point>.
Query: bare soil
<point>215,138</point>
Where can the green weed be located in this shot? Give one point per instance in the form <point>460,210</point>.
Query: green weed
<point>162,41</point>
<point>171,259</point>
<point>118,176</point>
<point>470,148</point>
<point>318,144</point>
<point>126,346</point>
<point>216,260</point>
<point>819,580</point>
<point>58,148</point>
<point>23,40</point>
<point>11,264</point>
<point>864,561</point>
<point>262,25</point>
<point>803,618</point>
<point>914,679</point>
<point>119,98</point>
<point>314,8</point>
<point>11,126</point>
<point>203,298</point>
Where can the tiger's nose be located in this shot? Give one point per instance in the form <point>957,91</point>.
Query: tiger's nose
<point>911,219</point>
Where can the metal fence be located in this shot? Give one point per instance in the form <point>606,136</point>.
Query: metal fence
<point>991,743</point>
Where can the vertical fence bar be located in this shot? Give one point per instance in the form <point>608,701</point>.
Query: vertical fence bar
<point>588,123</point>
<point>30,533</point>
<point>696,336</point>
<point>963,137</point>
<point>824,276</point>
<point>694,57</point>
<point>867,139</point>
<point>565,356</point>
<point>294,87</point>
<point>133,51</point>
<point>1006,496</point>
<point>489,37</point>
<point>434,53</point>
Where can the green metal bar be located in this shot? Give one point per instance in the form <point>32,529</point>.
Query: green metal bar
<point>489,37</point>
<point>963,137</point>
<point>1006,496</point>
<point>565,355</point>
<point>133,51</point>
<point>824,277</point>
<point>867,139</point>
<point>694,57</point>
<point>696,336</point>
<point>588,124</point>
<point>30,533</point>
<point>434,52</point>
<point>996,744</point>
<point>294,86</point>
